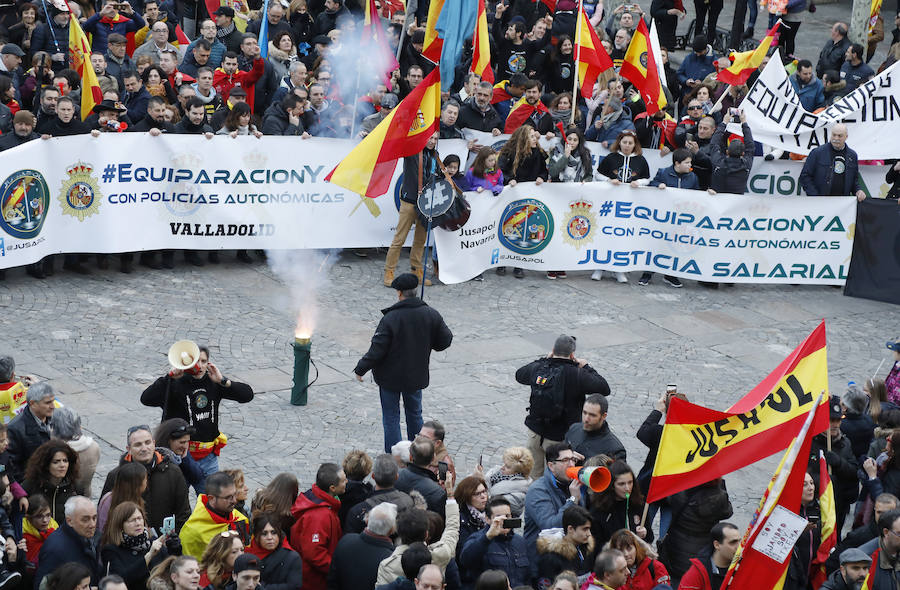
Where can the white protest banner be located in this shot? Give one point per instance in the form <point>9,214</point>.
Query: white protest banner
<point>778,535</point>
<point>132,192</point>
<point>689,234</point>
<point>870,112</point>
<point>777,177</point>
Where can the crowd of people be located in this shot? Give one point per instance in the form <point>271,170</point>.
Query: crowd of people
<point>153,81</point>
<point>411,518</point>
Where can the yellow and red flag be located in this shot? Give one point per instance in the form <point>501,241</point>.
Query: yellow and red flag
<point>762,558</point>
<point>746,62</point>
<point>368,168</point>
<point>592,59</point>
<point>639,68</point>
<point>520,112</point>
<point>180,37</point>
<point>874,11</point>
<point>374,35</point>
<point>80,61</point>
<point>481,47</point>
<point>699,444</point>
<point>828,520</point>
<point>433,45</point>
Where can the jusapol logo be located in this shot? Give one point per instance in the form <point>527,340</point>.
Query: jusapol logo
<point>526,226</point>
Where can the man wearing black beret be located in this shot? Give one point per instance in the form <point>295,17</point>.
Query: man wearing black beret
<point>399,355</point>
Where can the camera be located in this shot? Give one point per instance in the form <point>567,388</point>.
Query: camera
<point>512,523</point>
<point>442,470</point>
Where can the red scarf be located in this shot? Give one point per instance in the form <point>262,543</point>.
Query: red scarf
<point>261,553</point>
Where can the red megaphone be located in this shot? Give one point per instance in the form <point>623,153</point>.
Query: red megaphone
<point>596,478</point>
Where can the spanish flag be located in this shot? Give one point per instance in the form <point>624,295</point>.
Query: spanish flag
<point>520,112</point>
<point>759,562</point>
<point>374,34</point>
<point>746,62</point>
<point>828,520</point>
<point>80,61</point>
<point>699,444</point>
<point>368,168</point>
<point>481,47</point>
<point>592,57</point>
<point>433,45</point>
<point>639,67</point>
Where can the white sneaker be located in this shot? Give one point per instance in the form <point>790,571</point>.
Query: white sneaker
<point>621,277</point>
<point>597,275</point>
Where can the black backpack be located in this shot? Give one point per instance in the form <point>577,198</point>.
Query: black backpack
<point>548,392</point>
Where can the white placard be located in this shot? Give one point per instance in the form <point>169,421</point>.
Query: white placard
<point>779,533</point>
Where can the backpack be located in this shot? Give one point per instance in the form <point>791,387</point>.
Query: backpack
<point>548,392</point>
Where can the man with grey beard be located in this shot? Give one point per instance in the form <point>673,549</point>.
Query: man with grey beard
<point>854,569</point>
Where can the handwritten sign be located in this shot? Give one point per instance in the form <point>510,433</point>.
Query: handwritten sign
<point>779,533</point>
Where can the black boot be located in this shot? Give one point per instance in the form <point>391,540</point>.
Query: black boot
<point>193,258</point>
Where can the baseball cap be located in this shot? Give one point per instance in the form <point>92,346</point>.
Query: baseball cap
<point>854,555</point>
<point>224,11</point>
<point>246,561</point>
<point>834,408</point>
<point>894,344</point>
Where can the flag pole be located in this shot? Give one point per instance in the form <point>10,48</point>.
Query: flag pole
<point>577,55</point>
<point>644,515</point>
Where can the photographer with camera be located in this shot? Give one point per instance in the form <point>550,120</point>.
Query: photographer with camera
<point>498,546</point>
<point>109,20</point>
<point>731,160</point>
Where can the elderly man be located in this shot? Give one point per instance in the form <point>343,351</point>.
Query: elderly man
<point>833,168</point>
<point>31,428</point>
<point>478,114</point>
<point>23,131</point>
<point>835,50</point>
<point>73,541</point>
<point>355,561</point>
<point>157,44</point>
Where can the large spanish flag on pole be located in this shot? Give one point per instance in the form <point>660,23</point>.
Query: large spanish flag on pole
<point>481,47</point>
<point>80,61</point>
<point>762,559</point>
<point>828,520</point>
<point>699,444</point>
<point>745,63</point>
<point>368,168</point>
<point>590,55</point>
<point>639,68</point>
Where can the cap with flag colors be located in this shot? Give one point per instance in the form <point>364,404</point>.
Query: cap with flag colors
<point>368,168</point>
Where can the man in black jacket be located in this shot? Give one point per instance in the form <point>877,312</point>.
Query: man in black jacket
<point>384,473</point>
<point>399,355</point>
<point>578,378</point>
<point>355,561</point>
<point>167,491</point>
<point>840,459</point>
<point>283,118</point>
<point>417,477</point>
<point>155,121</point>
<point>196,398</point>
<point>731,164</point>
<point>23,131</point>
<point>592,436</point>
<point>32,427</point>
<point>72,541</point>
<point>194,120</point>
<point>834,52</point>
<point>418,171</point>
<point>478,114</point>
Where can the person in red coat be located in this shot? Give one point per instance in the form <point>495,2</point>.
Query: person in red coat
<point>228,76</point>
<point>317,528</point>
<point>644,572</point>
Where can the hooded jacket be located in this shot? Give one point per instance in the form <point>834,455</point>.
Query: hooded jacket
<point>558,553</point>
<point>625,168</point>
<point>315,534</point>
<point>204,524</point>
<point>730,173</point>
<point>34,539</point>
<point>223,82</point>
<point>669,177</point>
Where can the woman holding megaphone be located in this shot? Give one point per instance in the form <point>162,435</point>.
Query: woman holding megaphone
<point>619,506</point>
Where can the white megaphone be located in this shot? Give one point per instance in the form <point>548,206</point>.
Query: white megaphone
<point>184,355</point>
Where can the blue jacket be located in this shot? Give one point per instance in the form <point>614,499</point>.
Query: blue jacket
<point>696,67</point>
<point>216,53</point>
<point>669,177</point>
<point>63,546</point>
<point>815,178</point>
<point>101,28</point>
<point>545,503</point>
<point>812,95</point>
<point>610,133</point>
<point>504,552</point>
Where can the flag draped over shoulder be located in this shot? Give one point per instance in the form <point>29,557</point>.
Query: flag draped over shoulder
<point>746,62</point>
<point>639,68</point>
<point>763,557</point>
<point>699,444</point>
<point>828,520</point>
<point>481,47</point>
<point>520,112</point>
<point>80,61</point>
<point>592,57</point>
<point>368,168</point>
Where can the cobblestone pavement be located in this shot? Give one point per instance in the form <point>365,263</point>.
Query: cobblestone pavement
<point>100,339</point>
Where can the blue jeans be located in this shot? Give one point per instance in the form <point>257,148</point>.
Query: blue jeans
<point>390,415</point>
<point>665,518</point>
<point>208,465</point>
<point>753,12</point>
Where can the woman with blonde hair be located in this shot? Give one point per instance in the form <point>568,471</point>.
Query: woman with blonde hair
<point>175,573</point>
<point>218,559</point>
<point>511,479</point>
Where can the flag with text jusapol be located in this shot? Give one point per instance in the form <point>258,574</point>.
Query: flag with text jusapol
<point>699,444</point>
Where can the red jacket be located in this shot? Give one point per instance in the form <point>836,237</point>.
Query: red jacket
<point>696,578</point>
<point>315,534</point>
<point>649,574</point>
<point>223,83</point>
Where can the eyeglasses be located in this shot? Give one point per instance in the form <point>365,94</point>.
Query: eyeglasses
<point>564,460</point>
<point>229,498</point>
